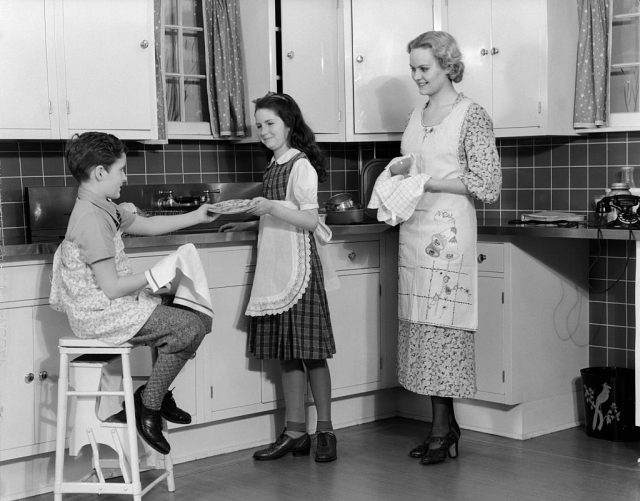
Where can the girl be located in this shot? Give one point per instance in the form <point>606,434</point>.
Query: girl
<point>288,307</point>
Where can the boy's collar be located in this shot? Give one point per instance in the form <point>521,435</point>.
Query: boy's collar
<point>99,201</point>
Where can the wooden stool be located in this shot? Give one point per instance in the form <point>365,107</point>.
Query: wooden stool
<point>86,375</point>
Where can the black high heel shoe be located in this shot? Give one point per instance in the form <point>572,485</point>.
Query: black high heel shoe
<point>441,447</point>
<point>421,449</point>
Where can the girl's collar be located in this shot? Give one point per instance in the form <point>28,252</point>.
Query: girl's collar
<point>285,157</point>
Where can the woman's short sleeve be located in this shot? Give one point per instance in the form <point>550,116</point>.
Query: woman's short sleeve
<point>303,185</point>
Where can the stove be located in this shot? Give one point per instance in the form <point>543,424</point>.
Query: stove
<point>49,207</point>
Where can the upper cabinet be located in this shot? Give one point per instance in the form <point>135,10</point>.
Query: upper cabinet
<point>519,61</point>
<point>75,65</point>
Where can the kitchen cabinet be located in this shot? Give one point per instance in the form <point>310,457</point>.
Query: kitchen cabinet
<point>344,62</point>
<point>29,332</point>
<point>533,301</point>
<point>64,73</point>
<point>519,61</point>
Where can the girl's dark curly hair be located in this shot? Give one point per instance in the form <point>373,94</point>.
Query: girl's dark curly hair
<point>301,137</point>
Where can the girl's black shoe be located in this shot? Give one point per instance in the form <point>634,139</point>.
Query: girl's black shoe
<point>326,447</point>
<point>297,446</point>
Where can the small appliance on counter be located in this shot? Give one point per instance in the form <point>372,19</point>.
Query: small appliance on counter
<point>618,208</point>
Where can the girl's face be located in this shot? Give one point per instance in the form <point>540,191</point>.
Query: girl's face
<point>272,130</point>
<point>427,72</point>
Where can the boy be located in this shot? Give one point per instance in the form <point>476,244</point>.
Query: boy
<point>93,284</point>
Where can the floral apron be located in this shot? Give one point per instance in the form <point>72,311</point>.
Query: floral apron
<point>437,253</point>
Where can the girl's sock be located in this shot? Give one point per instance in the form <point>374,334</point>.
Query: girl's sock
<point>324,426</point>
<point>296,430</point>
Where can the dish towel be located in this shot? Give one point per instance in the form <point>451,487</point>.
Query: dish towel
<point>396,197</point>
<point>282,268</point>
<point>182,273</point>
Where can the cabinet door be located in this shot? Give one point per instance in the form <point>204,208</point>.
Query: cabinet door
<point>384,93</point>
<point>233,376</point>
<point>310,61</point>
<point>489,339</point>
<point>356,328</point>
<point>501,43</point>
<point>26,100</point>
<point>109,68</point>
<point>17,388</point>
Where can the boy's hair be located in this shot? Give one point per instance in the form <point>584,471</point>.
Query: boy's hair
<point>90,149</point>
<point>445,50</point>
<point>301,137</point>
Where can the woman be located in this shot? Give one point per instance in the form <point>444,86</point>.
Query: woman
<point>451,145</point>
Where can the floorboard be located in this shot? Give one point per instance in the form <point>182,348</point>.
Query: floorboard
<point>373,465</point>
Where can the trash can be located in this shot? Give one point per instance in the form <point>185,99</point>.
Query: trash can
<point>609,403</point>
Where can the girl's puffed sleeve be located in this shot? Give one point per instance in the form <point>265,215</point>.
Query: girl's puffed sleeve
<point>478,155</point>
<point>303,185</point>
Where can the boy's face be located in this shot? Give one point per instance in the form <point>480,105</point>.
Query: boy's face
<point>112,179</point>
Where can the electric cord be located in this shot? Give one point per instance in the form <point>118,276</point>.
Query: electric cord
<point>599,239</point>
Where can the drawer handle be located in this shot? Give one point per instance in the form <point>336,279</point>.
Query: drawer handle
<point>29,378</point>
<point>43,375</point>
<point>352,255</point>
<point>482,258</point>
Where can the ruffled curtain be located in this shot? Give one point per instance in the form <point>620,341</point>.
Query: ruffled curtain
<point>592,66</point>
<point>225,79</point>
<point>158,16</point>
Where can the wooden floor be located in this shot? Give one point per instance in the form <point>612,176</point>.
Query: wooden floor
<point>373,465</point>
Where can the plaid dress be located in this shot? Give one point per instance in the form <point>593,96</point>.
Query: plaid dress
<point>304,331</point>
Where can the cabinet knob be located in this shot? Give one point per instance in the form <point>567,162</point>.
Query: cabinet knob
<point>144,44</point>
<point>494,51</point>
<point>359,59</point>
<point>482,258</point>
<point>291,54</point>
<point>43,375</point>
<point>484,52</point>
<point>351,255</point>
<point>29,378</point>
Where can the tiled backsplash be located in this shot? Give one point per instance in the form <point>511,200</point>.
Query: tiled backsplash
<point>541,173</point>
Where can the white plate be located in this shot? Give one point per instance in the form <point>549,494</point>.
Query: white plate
<point>234,206</point>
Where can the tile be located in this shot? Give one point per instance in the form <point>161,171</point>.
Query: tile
<point>209,161</point>
<point>508,157</point>
<point>597,177</point>
<point>597,154</point>
<point>154,161</point>
<point>542,155</point>
<point>542,200</point>
<point>14,236</point>
<point>559,199</point>
<point>616,358</point>
<point>11,189</point>
<point>191,161</point>
<point>173,162</point>
<point>509,178</point>
<point>542,178</point>
<point>617,154</point>
<point>560,177</point>
<point>136,163</point>
<point>616,314</point>
<point>9,163</point>
<point>597,335</point>
<point>525,155</point>
<point>525,200</point>
<point>597,357</point>
<point>31,163</point>
<point>560,155</point>
<point>525,178</point>
<point>578,177</point>
<point>13,214</point>
<point>578,154</point>
<point>597,313</point>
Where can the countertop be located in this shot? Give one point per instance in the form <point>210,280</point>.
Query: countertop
<point>486,227</point>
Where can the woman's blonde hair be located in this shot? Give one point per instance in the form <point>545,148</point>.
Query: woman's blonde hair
<point>445,50</point>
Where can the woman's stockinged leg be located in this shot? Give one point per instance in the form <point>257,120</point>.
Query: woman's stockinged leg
<point>176,334</point>
<point>440,413</point>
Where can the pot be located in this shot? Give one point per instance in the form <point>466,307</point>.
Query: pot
<point>347,216</point>
<point>341,201</point>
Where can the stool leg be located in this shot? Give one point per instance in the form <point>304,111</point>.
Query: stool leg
<point>61,424</point>
<point>168,466</point>
<point>127,385</point>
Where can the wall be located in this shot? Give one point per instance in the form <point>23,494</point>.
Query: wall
<point>542,173</point>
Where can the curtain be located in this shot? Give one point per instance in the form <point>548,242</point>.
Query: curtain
<point>592,65</point>
<point>158,26</point>
<point>225,80</point>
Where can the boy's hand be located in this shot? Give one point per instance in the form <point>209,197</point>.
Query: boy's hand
<point>205,215</point>
<point>261,206</point>
<point>239,226</point>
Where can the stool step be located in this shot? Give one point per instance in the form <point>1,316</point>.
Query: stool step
<point>96,358</point>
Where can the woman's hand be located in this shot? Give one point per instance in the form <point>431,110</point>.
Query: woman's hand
<point>261,206</point>
<point>239,226</point>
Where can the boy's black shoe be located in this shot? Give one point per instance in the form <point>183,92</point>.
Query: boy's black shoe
<point>171,412</point>
<point>326,447</point>
<point>149,425</point>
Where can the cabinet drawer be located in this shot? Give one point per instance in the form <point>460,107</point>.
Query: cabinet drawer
<point>19,283</point>
<point>355,255</point>
<point>490,257</point>
<point>227,267</point>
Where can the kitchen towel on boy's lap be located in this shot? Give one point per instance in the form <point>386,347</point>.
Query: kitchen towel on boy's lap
<point>182,273</point>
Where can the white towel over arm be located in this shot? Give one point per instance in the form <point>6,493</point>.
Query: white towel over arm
<point>184,275</point>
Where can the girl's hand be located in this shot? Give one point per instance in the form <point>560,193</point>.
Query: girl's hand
<point>240,226</point>
<point>204,215</point>
<point>261,206</point>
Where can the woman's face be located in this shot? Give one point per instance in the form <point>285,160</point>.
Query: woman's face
<point>427,72</point>
<point>272,130</point>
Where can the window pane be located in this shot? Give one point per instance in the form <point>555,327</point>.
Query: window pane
<point>191,13</point>
<point>193,51</point>
<point>625,6</point>
<point>173,99</point>
<point>624,90</point>
<point>171,51</point>
<point>170,11</point>
<point>625,42</point>
<point>195,97</point>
